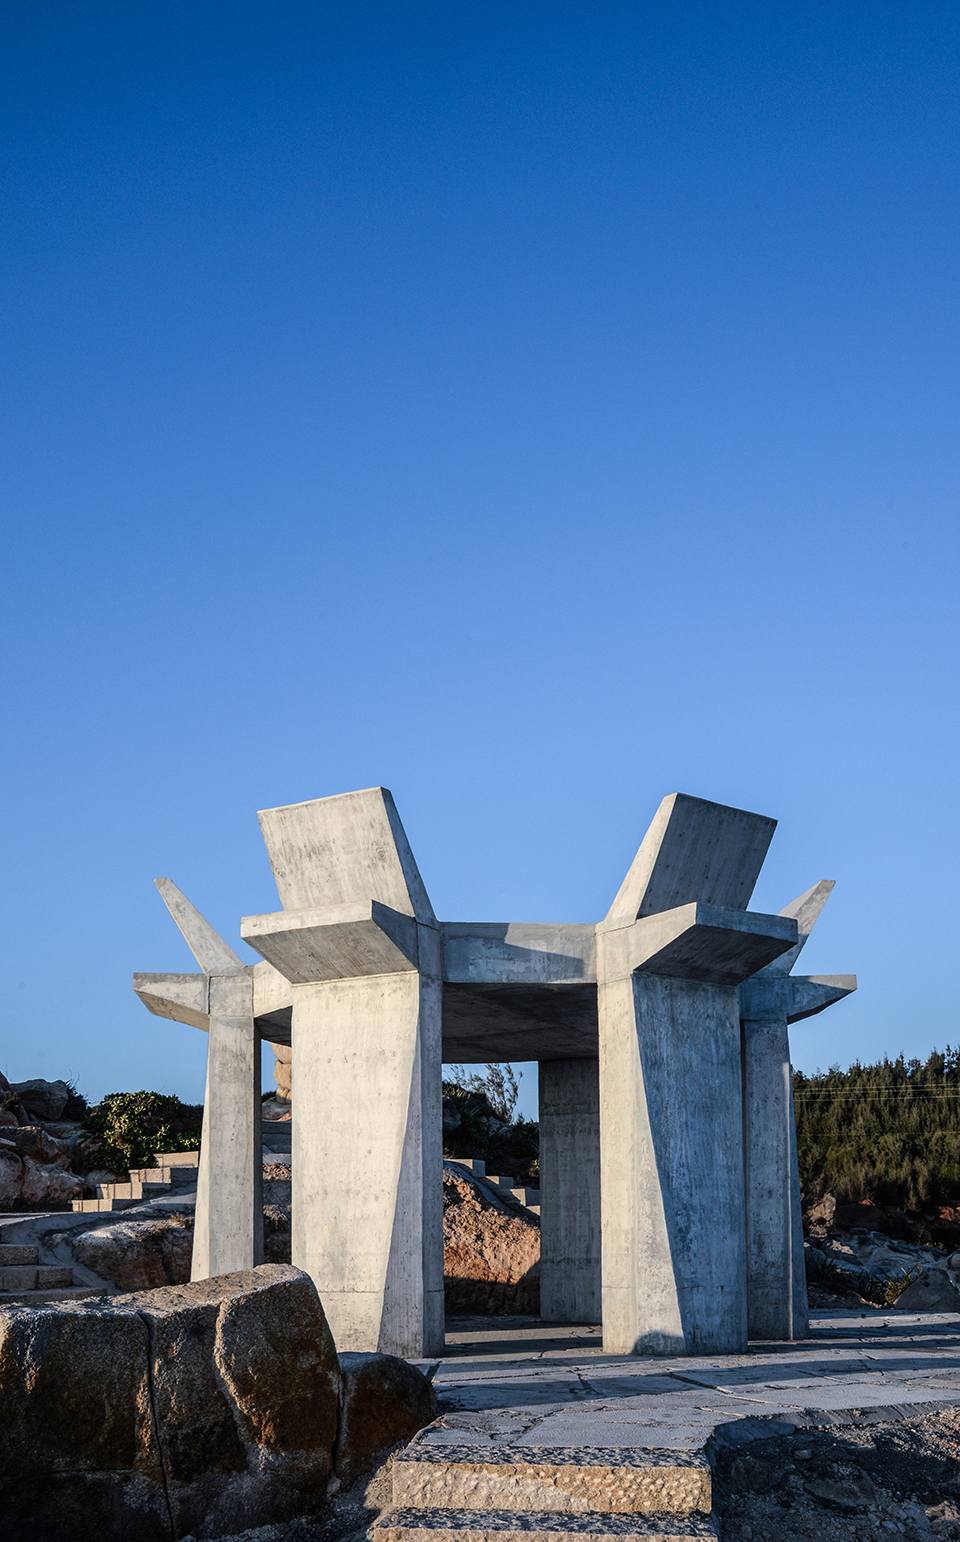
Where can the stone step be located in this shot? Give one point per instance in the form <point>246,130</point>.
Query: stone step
<point>478,1168</point>
<point>500,1182</point>
<point>101,1206</point>
<point>567,1479</point>
<point>10,1253</point>
<point>177,1158</point>
<point>38,1297</point>
<point>170,1177</point>
<point>528,1197</point>
<point>538,1526</point>
<point>20,1277</point>
<point>132,1190</point>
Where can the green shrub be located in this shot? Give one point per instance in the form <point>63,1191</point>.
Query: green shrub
<point>133,1125</point>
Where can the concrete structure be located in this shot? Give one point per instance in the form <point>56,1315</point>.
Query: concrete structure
<point>770,1001</point>
<point>228,1232</point>
<point>665,1126</point>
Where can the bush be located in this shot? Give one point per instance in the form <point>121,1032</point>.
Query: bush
<point>133,1125</point>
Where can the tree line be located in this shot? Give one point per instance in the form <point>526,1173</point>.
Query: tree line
<point>888,1133</point>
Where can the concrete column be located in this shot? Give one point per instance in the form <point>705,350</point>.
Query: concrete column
<point>228,1232</point>
<point>776,1281</point>
<point>671,1158</point>
<point>570,1191</point>
<point>367,1154</point>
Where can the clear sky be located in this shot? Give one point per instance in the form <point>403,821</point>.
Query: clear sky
<point>535,409</point>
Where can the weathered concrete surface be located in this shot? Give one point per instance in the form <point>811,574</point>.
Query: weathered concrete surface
<point>383,1400</point>
<point>671,1148</point>
<point>228,1235</point>
<point>360,944</point>
<point>769,1002</point>
<point>203,1408</point>
<point>694,850</point>
<point>229,1217</point>
<point>570,1229</point>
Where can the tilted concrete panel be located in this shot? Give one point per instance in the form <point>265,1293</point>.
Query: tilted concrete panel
<point>694,850</point>
<point>343,851</point>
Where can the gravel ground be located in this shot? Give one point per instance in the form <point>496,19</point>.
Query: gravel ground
<point>852,1482</point>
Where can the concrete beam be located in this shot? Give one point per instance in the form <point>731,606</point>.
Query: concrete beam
<point>697,942</point>
<point>694,850</point>
<point>812,993</point>
<point>182,998</point>
<point>518,953</point>
<point>334,944</point>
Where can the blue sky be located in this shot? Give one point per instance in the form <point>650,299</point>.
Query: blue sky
<point>535,410</point>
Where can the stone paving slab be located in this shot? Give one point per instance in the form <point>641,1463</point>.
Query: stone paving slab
<point>529,1385</point>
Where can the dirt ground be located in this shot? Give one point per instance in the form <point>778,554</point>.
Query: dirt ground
<point>850,1482</point>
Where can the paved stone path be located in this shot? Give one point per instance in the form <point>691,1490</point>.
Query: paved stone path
<point>522,1383</point>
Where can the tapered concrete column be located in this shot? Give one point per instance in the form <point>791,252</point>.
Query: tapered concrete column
<point>770,1001</point>
<point>368,1208</point>
<point>671,1166</point>
<point>360,945</point>
<point>228,1231</point>
<point>775,1274</point>
<point>570,1191</point>
<point>675,944</point>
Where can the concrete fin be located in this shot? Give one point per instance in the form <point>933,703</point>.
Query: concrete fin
<point>811,993</point>
<point>184,998</point>
<point>694,850</point>
<point>344,850</point>
<point>207,946</point>
<point>805,910</point>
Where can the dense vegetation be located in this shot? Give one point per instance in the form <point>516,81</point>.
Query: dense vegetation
<point>133,1125</point>
<point>887,1133</point>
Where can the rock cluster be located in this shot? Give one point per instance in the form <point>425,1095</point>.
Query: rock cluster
<point>203,1409</point>
<point>36,1168</point>
<point>870,1260</point>
<point>491,1250</point>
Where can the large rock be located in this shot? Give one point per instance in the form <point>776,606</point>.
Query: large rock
<point>45,1100</point>
<point>932,1292</point>
<point>491,1255</point>
<point>383,1400</point>
<point>138,1255</point>
<point>26,1184</point>
<point>205,1408</point>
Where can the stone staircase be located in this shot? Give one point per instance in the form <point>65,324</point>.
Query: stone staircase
<point>529,1198</point>
<point>470,1493</point>
<point>174,1170</point>
<point>24,1281</point>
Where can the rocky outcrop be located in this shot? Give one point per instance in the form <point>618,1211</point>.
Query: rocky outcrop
<point>283,1070</point>
<point>138,1255</point>
<point>44,1100</point>
<point>204,1408</point>
<point>383,1400</point>
<point>35,1170</point>
<point>491,1251</point>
